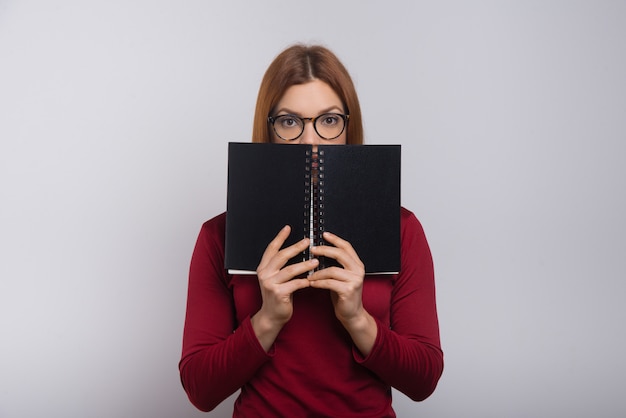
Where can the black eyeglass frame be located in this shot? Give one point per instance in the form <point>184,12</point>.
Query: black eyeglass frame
<point>346,117</point>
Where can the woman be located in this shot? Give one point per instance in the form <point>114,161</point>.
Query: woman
<point>332,343</point>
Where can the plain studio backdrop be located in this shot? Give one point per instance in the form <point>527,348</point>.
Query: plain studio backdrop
<point>114,123</point>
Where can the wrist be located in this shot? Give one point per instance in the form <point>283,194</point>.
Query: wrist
<point>363,330</point>
<point>358,323</point>
<point>265,329</point>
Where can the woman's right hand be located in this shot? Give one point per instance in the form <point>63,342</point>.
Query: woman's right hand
<point>278,283</point>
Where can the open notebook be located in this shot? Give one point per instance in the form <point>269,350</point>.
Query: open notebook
<point>352,191</point>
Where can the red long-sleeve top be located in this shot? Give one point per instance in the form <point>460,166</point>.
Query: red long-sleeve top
<point>313,368</point>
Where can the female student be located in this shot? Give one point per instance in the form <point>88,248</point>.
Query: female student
<point>328,344</point>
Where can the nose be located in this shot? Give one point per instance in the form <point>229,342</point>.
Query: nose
<point>309,136</point>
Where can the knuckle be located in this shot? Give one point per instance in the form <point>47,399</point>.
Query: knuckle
<point>263,275</point>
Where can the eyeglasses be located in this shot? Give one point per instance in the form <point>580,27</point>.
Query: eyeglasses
<point>327,125</point>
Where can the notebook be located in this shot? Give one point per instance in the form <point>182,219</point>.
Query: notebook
<point>352,191</point>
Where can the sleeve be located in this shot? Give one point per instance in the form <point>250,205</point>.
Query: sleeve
<point>407,355</point>
<point>218,354</point>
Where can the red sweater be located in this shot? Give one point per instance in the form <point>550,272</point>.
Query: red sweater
<point>313,368</point>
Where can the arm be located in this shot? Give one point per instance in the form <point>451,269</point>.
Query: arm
<point>408,355</point>
<point>218,355</point>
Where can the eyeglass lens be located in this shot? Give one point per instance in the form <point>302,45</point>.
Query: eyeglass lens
<point>290,127</point>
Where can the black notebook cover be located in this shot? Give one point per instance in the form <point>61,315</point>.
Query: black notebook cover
<point>356,196</point>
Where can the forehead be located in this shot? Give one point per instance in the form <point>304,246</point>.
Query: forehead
<point>309,98</point>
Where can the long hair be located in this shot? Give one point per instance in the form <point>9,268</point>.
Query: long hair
<point>300,64</point>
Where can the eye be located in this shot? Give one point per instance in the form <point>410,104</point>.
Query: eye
<point>288,121</point>
<point>330,119</point>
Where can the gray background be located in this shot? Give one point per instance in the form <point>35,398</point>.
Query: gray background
<point>114,120</point>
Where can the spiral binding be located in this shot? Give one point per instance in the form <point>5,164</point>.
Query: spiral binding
<point>308,199</point>
<point>319,205</point>
<point>320,198</point>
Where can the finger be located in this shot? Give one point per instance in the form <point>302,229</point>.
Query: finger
<point>347,257</point>
<point>340,281</point>
<point>274,246</point>
<point>281,258</point>
<point>328,251</point>
<point>294,270</point>
<point>337,286</point>
<point>296,284</point>
<point>340,243</point>
<point>331,273</point>
<point>338,254</point>
<point>274,257</point>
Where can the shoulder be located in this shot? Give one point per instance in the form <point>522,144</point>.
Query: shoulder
<point>208,254</point>
<point>415,256</point>
<point>412,235</point>
<point>405,214</point>
<point>212,234</point>
<point>215,226</point>
<point>409,222</point>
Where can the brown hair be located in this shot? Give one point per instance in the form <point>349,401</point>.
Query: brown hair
<point>300,64</point>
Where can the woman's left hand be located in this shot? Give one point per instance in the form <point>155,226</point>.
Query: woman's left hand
<point>346,286</point>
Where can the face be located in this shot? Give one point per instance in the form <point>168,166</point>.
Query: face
<point>309,101</point>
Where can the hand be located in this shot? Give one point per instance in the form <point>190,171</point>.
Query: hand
<point>346,286</point>
<point>345,283</point>
<point>277,284</point>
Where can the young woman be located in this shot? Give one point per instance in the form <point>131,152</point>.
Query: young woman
<point>329,344</point>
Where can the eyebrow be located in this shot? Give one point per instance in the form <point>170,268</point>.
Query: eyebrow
<point>327,110</point>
